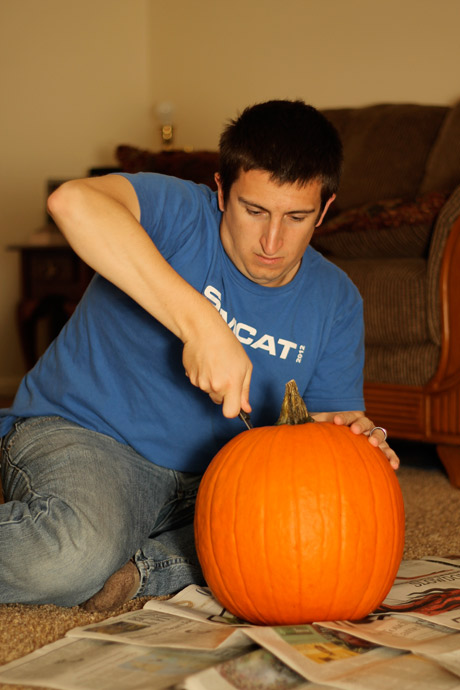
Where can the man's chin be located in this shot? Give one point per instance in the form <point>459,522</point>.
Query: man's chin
<point>268,278</point>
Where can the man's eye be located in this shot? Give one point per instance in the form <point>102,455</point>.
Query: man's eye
<point>298,219</point>
<point>253,212</point>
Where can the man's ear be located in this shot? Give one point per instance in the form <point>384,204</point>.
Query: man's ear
<point>328,203</point>
<point>220,193</point>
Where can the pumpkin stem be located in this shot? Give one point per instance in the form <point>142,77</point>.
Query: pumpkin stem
<point>293,408</point>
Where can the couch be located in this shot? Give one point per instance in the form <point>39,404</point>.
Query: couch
<point>395,229</point>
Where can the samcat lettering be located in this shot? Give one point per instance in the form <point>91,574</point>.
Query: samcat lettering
<point>247,335</point>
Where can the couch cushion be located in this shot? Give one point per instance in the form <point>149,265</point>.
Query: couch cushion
<point>394,296</point>
<point>385,150</point>
<point>443,165</point>
<point>392,228</point>
<point>198,166</point>
<point>339,118</point>
<point>409,365</point>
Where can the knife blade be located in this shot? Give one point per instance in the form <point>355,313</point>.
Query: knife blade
<point>245,417</point>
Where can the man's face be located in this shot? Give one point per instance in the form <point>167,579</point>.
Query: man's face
<point>266,227</point>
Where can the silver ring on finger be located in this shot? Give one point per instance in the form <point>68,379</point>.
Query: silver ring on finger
<point>379,428</point>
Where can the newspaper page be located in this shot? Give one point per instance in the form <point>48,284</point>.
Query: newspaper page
<point>257,670</point>
<point>196,603</point>
<point>317,653</point>
<point>404,672</point>
<point>87,664</point>
<point>428,589</point>
<point>161,629</point>
<point>425,638</point>
<point>341,660</point>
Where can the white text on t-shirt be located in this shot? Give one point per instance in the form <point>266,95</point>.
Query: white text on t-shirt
<point>247,335</point>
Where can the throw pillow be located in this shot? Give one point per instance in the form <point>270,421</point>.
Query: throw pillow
<point>390,228</point>
<point>198,166</point>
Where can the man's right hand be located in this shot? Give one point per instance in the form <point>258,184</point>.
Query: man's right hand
<point>216,362</point>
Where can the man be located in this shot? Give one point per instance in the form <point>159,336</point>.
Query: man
<point>203,304</point>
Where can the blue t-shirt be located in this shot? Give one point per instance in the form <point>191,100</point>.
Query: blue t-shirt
<point>116,370</point>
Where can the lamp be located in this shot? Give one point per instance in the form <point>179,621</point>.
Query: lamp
<point>165,115</point>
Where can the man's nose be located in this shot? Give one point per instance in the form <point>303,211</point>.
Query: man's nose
<point>272,239</point>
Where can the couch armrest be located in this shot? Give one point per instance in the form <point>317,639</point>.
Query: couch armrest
<point>443,229</point>
<point>448,373</point>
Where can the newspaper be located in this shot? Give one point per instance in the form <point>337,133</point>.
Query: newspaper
<point>312,651</point>
<point>412,641</point>
<point>405,672</point>
<point>428,589</point>
<point>89,664</point>
<point>162,629</point>
<point>257,670</point>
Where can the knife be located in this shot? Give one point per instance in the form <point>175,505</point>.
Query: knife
<point>245,417</point>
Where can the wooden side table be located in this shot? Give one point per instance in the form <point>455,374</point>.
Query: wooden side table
<point>53,279</point>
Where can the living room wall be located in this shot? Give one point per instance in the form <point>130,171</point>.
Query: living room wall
<point>79,78</point>
<point>221,56</point>
<point>75,80</point>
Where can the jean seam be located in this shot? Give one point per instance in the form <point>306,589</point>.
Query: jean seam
<point>36,517</point>
<point>178,560</point>
<point>143,567</point>
<point>31,423</point>
<point>19,472</point>
<point>142,561</point>
<point>146,569</point>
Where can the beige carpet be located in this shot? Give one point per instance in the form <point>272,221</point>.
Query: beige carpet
<point>432,528</point>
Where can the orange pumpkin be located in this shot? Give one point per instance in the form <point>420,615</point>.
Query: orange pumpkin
<point>299,522</point>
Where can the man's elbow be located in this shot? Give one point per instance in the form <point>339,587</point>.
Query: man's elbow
<point>63,202</point>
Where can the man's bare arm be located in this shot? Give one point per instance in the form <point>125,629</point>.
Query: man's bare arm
<point>100,219</point>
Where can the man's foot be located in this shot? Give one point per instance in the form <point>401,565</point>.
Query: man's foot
<point>119,588</point>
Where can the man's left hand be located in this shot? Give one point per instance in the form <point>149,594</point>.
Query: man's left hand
<point>359,424</point>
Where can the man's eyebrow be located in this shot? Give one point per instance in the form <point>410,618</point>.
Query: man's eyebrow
<point>242,200</point>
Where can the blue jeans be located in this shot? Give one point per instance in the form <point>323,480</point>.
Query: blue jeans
<point>78,505</point>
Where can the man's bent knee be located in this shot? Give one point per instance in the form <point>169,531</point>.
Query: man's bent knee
<point>66,580</point>
<point>46,559</point>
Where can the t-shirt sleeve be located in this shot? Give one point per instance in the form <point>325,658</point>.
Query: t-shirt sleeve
<point>171,209</point>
